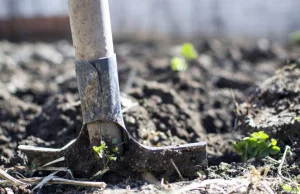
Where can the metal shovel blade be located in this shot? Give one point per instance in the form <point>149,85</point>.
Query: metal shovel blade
<point>80,158</point>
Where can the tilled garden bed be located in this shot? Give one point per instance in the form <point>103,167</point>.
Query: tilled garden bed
<point>230,90</point>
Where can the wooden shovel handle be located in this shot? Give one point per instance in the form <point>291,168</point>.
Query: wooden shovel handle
<point>91,29</point>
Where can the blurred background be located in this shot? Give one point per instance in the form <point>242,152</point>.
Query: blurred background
<point>48,19</point>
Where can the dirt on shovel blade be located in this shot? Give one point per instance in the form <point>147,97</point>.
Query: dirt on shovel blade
<point>231,90</point>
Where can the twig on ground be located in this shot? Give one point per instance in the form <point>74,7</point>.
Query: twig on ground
<point>11,179</point>
<point>268,81</point>
<point>19,175</point>
<point>9,191</point>
<point>62,169</point>
<point>273,160</point>
<point>101,172</point>
<point>173,163</point>
<point>287,148</point>
<point>267,187</point>
<point>45,180</point>
<point>50,179</point>
<point>56,180</point>
<point>100,185</point>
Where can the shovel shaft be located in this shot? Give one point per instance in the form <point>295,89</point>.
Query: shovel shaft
<point>92,39</point>
<point>91,29</point>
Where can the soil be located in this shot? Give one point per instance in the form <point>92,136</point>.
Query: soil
<point>232,89</point>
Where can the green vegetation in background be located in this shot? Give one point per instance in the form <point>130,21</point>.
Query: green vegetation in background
<point>178,64</point>
<point>256,146</point>
<point>187,52</point>
<point>295,37</point>
<point>291,189</point>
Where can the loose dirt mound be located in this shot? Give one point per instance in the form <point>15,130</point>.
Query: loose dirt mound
<point>275,107</point>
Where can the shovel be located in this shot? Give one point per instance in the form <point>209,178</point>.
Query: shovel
<point>103,127</point>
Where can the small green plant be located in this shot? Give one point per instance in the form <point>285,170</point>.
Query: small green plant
<point>291,189</point>
<point>295,37</point>
<point>256,146</point>
<point>178,64</point>
<point>102,151</point>
<point>188,51</point>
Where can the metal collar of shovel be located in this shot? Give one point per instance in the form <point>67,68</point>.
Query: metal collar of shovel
<point>99,94</point>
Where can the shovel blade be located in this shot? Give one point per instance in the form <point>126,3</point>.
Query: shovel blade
<point>169,161</point>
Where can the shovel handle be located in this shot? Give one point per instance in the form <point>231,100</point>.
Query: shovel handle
<point>91,29</point>
<point>92,39</point>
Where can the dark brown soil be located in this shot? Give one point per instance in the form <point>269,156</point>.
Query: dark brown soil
<point>275,108</point>
<point>222,96</point>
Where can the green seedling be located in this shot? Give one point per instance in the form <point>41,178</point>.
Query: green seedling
<point>178,64</point>
<point>102,151</point>
<point>291,189</point>
<point>295,37</point>
<point>188,51</point>
<point>256,146</point>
